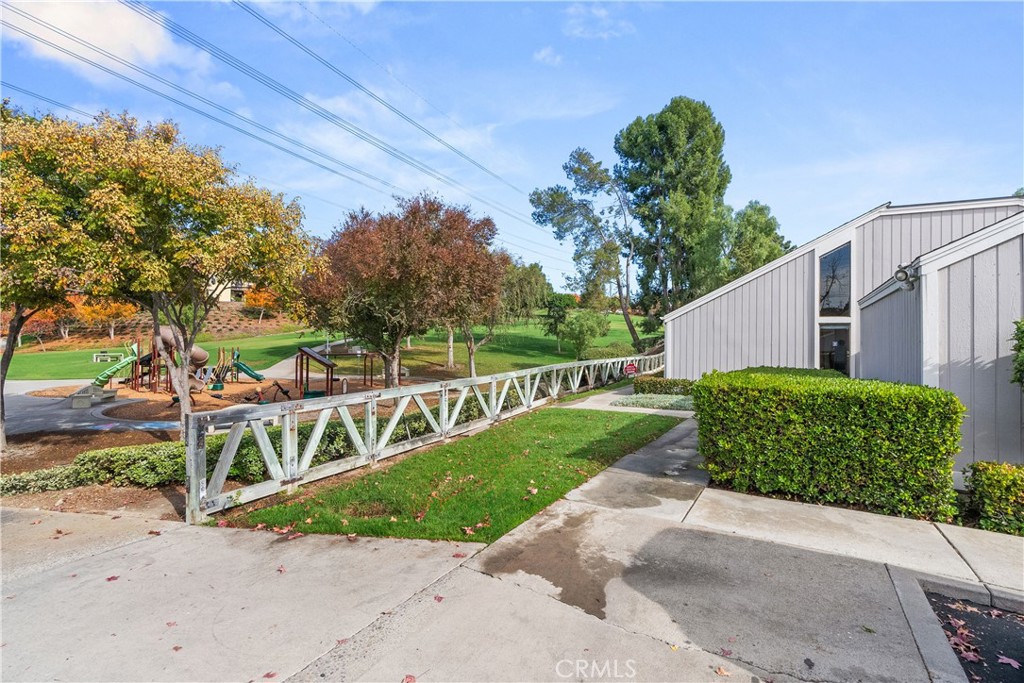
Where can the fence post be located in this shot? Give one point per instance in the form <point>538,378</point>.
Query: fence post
<point>492,400</point>
<point>195,469</point>
<point>442,410</point>
<point>370,427</point>
<point>290,448</point>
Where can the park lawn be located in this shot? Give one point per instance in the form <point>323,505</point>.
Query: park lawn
<point>258,352</point>
<point>514,348</point>
<point>473,489</point>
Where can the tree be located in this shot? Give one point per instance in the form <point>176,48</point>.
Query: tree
<point>107,312</point>
<point>1019,192</point>
<point>673,166</point>
<point>387,272</point>
<point>559,306</point>
<point>149,219</point>
<point>58,232</point>
<point>525,289</point>
<point>261,299</point>
<point>595,214</point>
<point>1018,353</point>
<point>752,239</point>
<point>582,328</point>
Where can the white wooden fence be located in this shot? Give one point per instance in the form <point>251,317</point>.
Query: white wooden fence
<point>498,396</point>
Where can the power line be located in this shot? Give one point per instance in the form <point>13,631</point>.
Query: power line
<point>185,91</point>
<point>210,117</point>
<point>380,66</point>
<point>317,109</point>
<point>369,93</point>
<point>11,86</point>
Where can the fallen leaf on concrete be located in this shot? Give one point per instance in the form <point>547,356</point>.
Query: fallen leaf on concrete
<point>281,569</point>
<point>867,629</point>
<point>731,639</point>
<point>409,678</point>
<point>995,614</point>
<point>113,578</point>
<point>1003,659</point>
<point>171,624</point>
<point>342,641</point>
<point>726,653</point>
<point>809,663</point>
<point>292,537</point>
<point>438,598</point>
<point>176,648</point>
<point>673,647</point>
<point>956,623</point>
<point>116,517</point>
<point>259,527</point>
<point>154,532</point>
<point>970,656</point>
<point>38,521</point>
<point>458,556</point>
<point>351,538</point>
<point>722,671</point>
<point>270,674</point>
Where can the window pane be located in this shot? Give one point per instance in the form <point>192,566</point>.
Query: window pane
<point>834,282</point>
<point>835,349</point>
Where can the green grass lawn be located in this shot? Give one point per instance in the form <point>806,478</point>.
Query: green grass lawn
<point>515,348</point>
<point>487,484</point>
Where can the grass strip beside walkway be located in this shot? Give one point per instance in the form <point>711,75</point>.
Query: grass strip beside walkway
<point>477,488</point>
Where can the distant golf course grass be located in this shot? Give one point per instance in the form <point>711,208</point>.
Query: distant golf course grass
<point>477,488</point>
<point>515,347</point>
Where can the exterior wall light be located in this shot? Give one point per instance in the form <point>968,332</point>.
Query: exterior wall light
<point>906,275</point>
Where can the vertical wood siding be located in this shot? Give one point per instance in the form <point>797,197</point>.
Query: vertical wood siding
<point>892,239</point>
<point>890,338</point>
<point>767,321</point>
<point>983,295</point>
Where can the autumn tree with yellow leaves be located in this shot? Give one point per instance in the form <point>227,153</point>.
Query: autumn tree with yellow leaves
<point>116,208</point>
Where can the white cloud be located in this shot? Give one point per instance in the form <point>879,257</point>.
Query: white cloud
<point>594,21</point>
<point>109,26</point>
<point>547,55</point>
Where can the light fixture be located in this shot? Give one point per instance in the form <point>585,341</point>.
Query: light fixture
<point>905,275</point>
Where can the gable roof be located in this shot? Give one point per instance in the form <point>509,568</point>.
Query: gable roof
<point>881,210</point>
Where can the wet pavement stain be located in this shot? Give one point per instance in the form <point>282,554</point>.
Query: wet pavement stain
<point>558,556</point>
<point>613,492</point>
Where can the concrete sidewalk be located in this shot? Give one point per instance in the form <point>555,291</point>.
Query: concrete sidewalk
<point>603,400</point>
<point>640,574</point>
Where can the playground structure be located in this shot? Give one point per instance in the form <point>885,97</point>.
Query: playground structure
<point>303,358</point>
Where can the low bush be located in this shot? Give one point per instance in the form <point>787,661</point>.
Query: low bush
<point>825,438</point>
<point>997,495</point>
<point>51,479</point>
<point>657,401</point>
<point>661,385</point>
<point>613,350</point>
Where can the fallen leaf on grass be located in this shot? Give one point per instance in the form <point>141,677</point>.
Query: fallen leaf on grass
<point>438,598</point>
<point>532,490</point>
<point>113,578</point>
<point>309,520</point>
<point>281,569</point>
<point>259,527</point>
<point>1003,659</point>
<point>722,671</point>
<point>468,530</point>
<point>394,519</point>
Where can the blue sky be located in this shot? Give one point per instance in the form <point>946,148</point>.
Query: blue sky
<point>829,109</point>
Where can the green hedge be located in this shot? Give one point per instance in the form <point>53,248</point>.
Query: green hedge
<point>826,438</point>
<point>661,385</point>
<point>613,350</point>
<point>153,465</point>
<point>997,495</point>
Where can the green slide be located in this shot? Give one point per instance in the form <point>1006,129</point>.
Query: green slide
<point>242,367</point>
<point>104,377</point>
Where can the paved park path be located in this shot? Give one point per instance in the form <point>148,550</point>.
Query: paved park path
<point>643,573</point>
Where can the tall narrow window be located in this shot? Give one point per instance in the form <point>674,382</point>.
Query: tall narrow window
<point>834,282</point>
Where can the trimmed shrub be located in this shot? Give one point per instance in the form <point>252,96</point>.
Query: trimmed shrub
<point>660,385</point>
<point>825,438</point>
<point>146,466</point>
<point>51,479</point>
<point>613,350</point>
<point>997,494</point>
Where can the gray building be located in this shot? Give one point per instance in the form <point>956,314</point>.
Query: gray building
<point>836,303</point>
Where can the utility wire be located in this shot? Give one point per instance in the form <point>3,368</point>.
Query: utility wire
<point>369,93</point>
<point>320,111</point>
<point>380,66</point>
<point>11,86</point>
<point>185,91</point>
<point>183,104</point>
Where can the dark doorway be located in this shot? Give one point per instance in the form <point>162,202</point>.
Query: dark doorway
<point>835,348</point>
